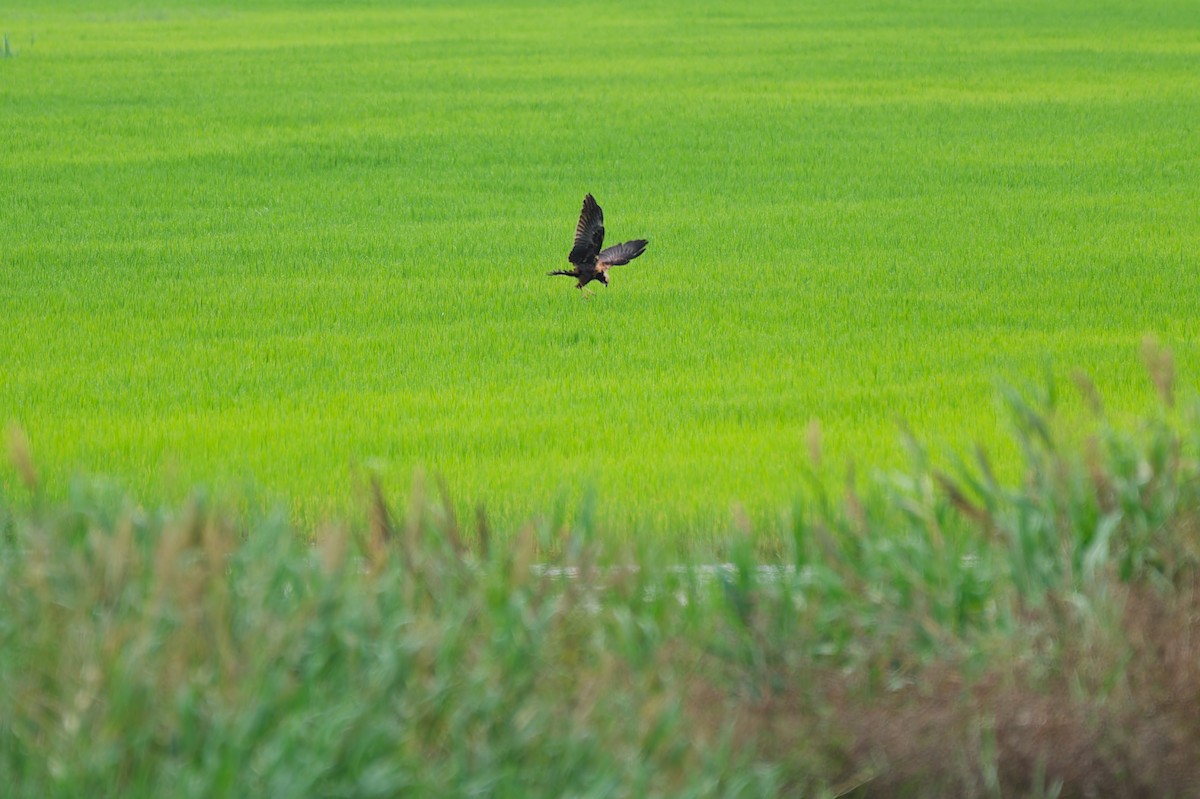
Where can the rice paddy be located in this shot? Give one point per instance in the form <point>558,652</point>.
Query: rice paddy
<point>280,247</point>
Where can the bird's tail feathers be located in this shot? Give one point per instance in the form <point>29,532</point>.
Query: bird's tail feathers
<point>561,272</point>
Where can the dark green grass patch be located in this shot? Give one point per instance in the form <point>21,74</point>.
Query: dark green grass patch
<point>295,244</point>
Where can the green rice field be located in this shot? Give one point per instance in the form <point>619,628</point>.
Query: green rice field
<point>282,247</point>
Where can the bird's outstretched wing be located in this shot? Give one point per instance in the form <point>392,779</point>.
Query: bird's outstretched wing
<point>589,233</point>
<point>622,253</point>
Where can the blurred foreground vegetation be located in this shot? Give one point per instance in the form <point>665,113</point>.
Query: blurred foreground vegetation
<point>925,633</point>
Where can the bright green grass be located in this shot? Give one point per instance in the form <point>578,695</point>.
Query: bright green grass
<point>295,244</point>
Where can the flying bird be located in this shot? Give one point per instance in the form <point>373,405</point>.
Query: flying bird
<point>591,262</point>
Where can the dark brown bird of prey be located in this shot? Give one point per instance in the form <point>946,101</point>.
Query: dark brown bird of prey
<point>591,262</point>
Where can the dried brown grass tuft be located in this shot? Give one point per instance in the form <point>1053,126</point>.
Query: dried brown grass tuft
<point>1118,716</point>
<point>1160,363</point>
<point>20,454</point>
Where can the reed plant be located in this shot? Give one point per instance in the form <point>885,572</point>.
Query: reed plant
<point>922,632</point>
